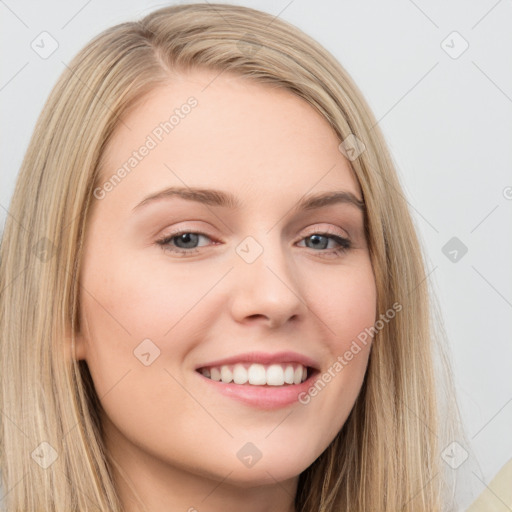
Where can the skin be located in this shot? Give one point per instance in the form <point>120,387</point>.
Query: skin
<point>175,438</point>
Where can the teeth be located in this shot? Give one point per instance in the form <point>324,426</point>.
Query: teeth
<point>240,375</point>
<point>226,375</point>
<point>258,374</point>
<point>275,375</point>
<point>288,374</point>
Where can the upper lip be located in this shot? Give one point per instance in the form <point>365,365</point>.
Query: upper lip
<point>264,358</point>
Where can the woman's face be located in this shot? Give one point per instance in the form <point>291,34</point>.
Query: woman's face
<point>227,275</point>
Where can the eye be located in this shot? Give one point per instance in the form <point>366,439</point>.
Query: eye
<point>184,242</point>
<point>322,241</point>
<point>187,242</point>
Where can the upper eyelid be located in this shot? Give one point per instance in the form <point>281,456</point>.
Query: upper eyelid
<point>312,227</point>
<point>329,230</point>
<point>311,231</point>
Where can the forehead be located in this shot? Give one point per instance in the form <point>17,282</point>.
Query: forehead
<point>223,131</point>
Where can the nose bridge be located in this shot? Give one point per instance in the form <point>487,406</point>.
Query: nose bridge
<point>264,282</point>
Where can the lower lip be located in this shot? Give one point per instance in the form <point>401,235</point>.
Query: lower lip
<point>262,397</point>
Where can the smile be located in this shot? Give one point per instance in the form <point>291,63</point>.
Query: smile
<point>259,379</point>
<point>256,374</point>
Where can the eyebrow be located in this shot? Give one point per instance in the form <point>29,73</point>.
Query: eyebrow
<point>220,198</point>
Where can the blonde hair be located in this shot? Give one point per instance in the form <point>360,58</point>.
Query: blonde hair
<point>387,455</point>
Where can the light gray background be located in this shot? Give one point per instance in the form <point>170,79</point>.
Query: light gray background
<point>448,122</point>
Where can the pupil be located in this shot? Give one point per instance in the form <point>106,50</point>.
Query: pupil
<point>189,239</point>
<point>315,239</point>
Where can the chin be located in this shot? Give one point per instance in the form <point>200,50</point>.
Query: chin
<point>265,472</point>
<point>246,479</point>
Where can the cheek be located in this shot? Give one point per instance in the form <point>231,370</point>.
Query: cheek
<point>346,306</point>
<point>144,299</point>
<point>124,302</point>
<point>345,302</point>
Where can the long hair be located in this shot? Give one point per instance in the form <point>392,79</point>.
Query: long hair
<point>386,457</point>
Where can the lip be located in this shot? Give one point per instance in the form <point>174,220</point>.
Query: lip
<point>263,397</point>
<point>263,358</point>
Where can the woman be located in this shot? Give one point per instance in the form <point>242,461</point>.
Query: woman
<point>217,299</point>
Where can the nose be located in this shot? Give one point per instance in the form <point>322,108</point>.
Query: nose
<point>267,290</point>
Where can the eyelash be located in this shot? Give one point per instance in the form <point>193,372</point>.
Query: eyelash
<point>344,243</point>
